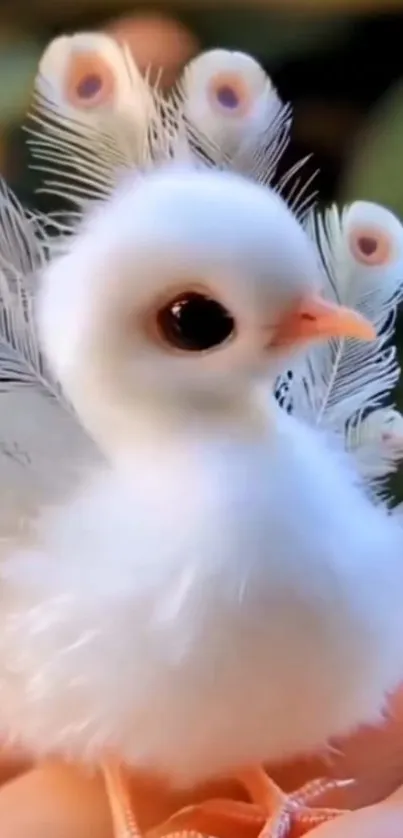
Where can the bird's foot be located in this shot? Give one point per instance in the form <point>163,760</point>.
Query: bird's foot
<point>288,815</point>
<point>269,813</point>
<point>124,822</point>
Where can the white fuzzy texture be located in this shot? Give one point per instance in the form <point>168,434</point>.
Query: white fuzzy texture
<point>173,229</point>
<point>38,429</point>
<point>226,593</point>
<point>226,603</point>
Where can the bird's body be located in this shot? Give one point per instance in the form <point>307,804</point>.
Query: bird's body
<point>225,602</point>
<point>224,587</point>
<point>223,592</point>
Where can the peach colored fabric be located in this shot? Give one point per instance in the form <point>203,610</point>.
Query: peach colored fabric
<point>54,801</point>
<point>59,801</point>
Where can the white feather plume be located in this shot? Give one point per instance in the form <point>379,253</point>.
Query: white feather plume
<point>229,99</point>
<point>236,116</point>
<point>342,380</point>
<point>92,115</point>
<point>377,443</point>
<point>42,445</point>
<point>95,115</point>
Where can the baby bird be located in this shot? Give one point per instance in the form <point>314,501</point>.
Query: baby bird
<point>224,593</point>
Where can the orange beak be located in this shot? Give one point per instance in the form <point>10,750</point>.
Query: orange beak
<point>317,319</point>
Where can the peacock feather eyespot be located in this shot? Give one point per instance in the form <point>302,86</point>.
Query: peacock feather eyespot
<point>90,81</point>
<point>228,92</point>
<point>371,246</point>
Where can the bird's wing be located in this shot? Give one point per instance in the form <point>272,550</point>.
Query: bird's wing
<point>344,385</point>
<point>42,445</point>
<point>95,115</point>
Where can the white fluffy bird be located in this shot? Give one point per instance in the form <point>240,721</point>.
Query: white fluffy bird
<point>226,113</point>
<point>173,606</point>
<point>173,611</point>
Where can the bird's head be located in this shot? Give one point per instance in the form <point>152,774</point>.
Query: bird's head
<point>184,287</point>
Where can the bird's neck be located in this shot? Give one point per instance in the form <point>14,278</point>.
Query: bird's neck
<point>122,424</point>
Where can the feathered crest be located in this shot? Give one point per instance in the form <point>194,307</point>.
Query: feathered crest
<point>94,116</point>
<point>344,384</point>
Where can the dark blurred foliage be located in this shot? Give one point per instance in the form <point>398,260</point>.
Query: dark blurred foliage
<point>343,73</point>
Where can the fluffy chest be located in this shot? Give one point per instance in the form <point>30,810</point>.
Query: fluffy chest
<point>190,604</point>
<point>264,514</point>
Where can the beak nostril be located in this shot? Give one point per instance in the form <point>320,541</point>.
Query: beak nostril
<point>315,318</point>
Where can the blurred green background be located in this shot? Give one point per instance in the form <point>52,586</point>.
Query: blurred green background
<point>339,62</point>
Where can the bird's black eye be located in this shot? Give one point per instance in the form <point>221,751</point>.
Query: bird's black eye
<point>194,322</point>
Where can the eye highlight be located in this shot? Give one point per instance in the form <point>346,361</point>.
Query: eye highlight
<point>195,322</point>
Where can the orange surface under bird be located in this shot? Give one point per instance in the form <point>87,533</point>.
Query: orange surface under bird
<point>56,800</point>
